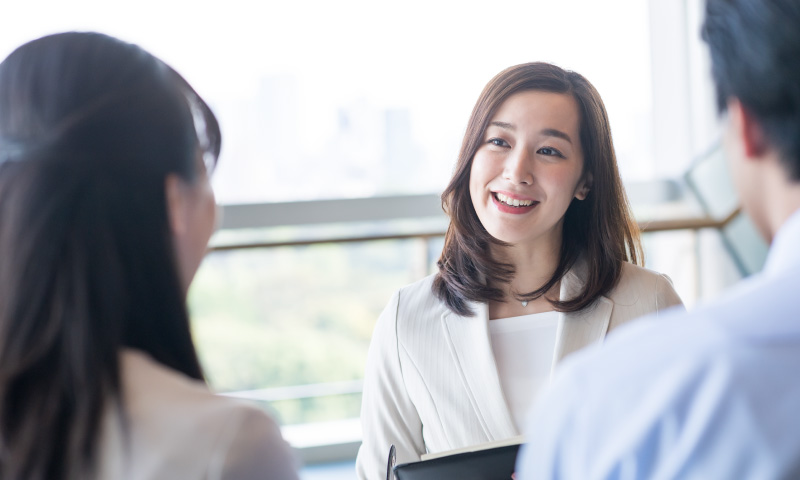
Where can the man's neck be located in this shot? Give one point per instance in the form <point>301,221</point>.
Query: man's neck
<point>781,200</point>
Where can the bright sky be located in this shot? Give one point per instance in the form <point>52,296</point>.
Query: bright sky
<point>429,57</point>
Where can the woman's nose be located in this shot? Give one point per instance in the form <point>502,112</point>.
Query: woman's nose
<point>518,168</point>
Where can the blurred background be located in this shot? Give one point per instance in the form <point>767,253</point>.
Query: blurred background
<point>341,124</point>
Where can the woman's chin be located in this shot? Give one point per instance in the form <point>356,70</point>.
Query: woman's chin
<point>510,238</point>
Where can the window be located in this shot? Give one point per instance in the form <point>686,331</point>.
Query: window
<point>356,98</point>
<point>324,101</point>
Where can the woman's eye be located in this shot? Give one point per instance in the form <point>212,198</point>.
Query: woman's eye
<point>550,152</point>
<point>498,142</point>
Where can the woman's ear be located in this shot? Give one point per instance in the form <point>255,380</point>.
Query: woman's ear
<point>584,186</point>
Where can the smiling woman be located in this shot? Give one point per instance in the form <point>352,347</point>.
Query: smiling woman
<point>523,178</point>
<point>519,143</point>
<point>539,261</point>
<point>527,171</point>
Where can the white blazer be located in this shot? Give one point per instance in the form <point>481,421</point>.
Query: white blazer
<point>431,382</point>
<point>177,429</point>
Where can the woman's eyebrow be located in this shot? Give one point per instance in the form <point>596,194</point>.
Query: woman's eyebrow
<point>505,125</point>
<point>552,132</point>
<point>548,132</point>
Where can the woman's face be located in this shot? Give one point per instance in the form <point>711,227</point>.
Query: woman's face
<point>193,214</point>
<point>528,168</point>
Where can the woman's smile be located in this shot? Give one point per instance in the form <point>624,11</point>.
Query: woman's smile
<point>511,204</point>
<point>529,168</point>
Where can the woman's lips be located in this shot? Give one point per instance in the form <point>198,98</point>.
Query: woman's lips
<point>506,208</point>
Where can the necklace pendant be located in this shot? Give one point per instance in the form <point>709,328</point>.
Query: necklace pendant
<point>525,304</point>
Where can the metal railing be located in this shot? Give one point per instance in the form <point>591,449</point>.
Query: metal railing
<point>298,392</point>
<point>354,387</point>
<point>361,210</point>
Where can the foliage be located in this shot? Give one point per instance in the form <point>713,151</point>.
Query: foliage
<point>267,318</point>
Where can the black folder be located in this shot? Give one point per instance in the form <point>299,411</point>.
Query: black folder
<point>491,464</point>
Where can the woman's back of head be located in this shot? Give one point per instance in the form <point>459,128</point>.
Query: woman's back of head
<point>90,128</point>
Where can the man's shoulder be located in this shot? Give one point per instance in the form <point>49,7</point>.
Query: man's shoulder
<point>667,389</point>
<point>680,347</point>
<point>637,351</point>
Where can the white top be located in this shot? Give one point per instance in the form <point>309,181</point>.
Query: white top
<point>178,429</point>
<point>523,351</point>
<point>712,394</point>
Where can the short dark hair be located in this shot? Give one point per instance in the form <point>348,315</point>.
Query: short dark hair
<point>600,228</point>
<point>755,57</point>
<point>90,128</point>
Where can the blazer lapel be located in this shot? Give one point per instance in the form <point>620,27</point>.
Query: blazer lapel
<point>468,340</point>
<point>580,329</point>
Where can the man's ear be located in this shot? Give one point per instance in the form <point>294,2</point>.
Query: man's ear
<point>747,128</point>
<point>584,187</point>
<point>176,204</point>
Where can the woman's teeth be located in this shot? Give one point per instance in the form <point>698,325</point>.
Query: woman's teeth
<point>513,201</point>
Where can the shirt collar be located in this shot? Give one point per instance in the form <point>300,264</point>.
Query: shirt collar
<point>784,253</point>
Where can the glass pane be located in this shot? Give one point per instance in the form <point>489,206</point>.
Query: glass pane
<point>747,246</point>
<point>280,317</point>
<point>355,98</point>
<point>711,181</point>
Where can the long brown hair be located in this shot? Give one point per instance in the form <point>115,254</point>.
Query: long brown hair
<point>90,127</point>
<point>599,228</point>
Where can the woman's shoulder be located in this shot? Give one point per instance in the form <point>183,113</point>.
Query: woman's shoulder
<point>145,381</point>
<point>154,393</point>
<point>420,288</point>
<point>414,305</point>
<point>637,284</point>
<point>419,297</point>
<point>176,424</point>
<point>632,273</point>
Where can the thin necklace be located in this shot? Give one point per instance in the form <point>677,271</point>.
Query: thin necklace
<point>525,303</point>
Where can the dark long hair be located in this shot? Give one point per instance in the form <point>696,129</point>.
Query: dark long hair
<point>89,129</point>
<point>600,228</point>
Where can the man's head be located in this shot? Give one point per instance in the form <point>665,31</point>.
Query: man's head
<point>755,58</point>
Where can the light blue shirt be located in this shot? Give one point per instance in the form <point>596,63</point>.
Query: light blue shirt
<point>713,394</point>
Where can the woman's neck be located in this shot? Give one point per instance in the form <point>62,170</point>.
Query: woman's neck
<point>534,265</point>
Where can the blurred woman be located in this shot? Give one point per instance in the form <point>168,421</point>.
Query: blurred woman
<point>540,259</point>
<point>105,213</point>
